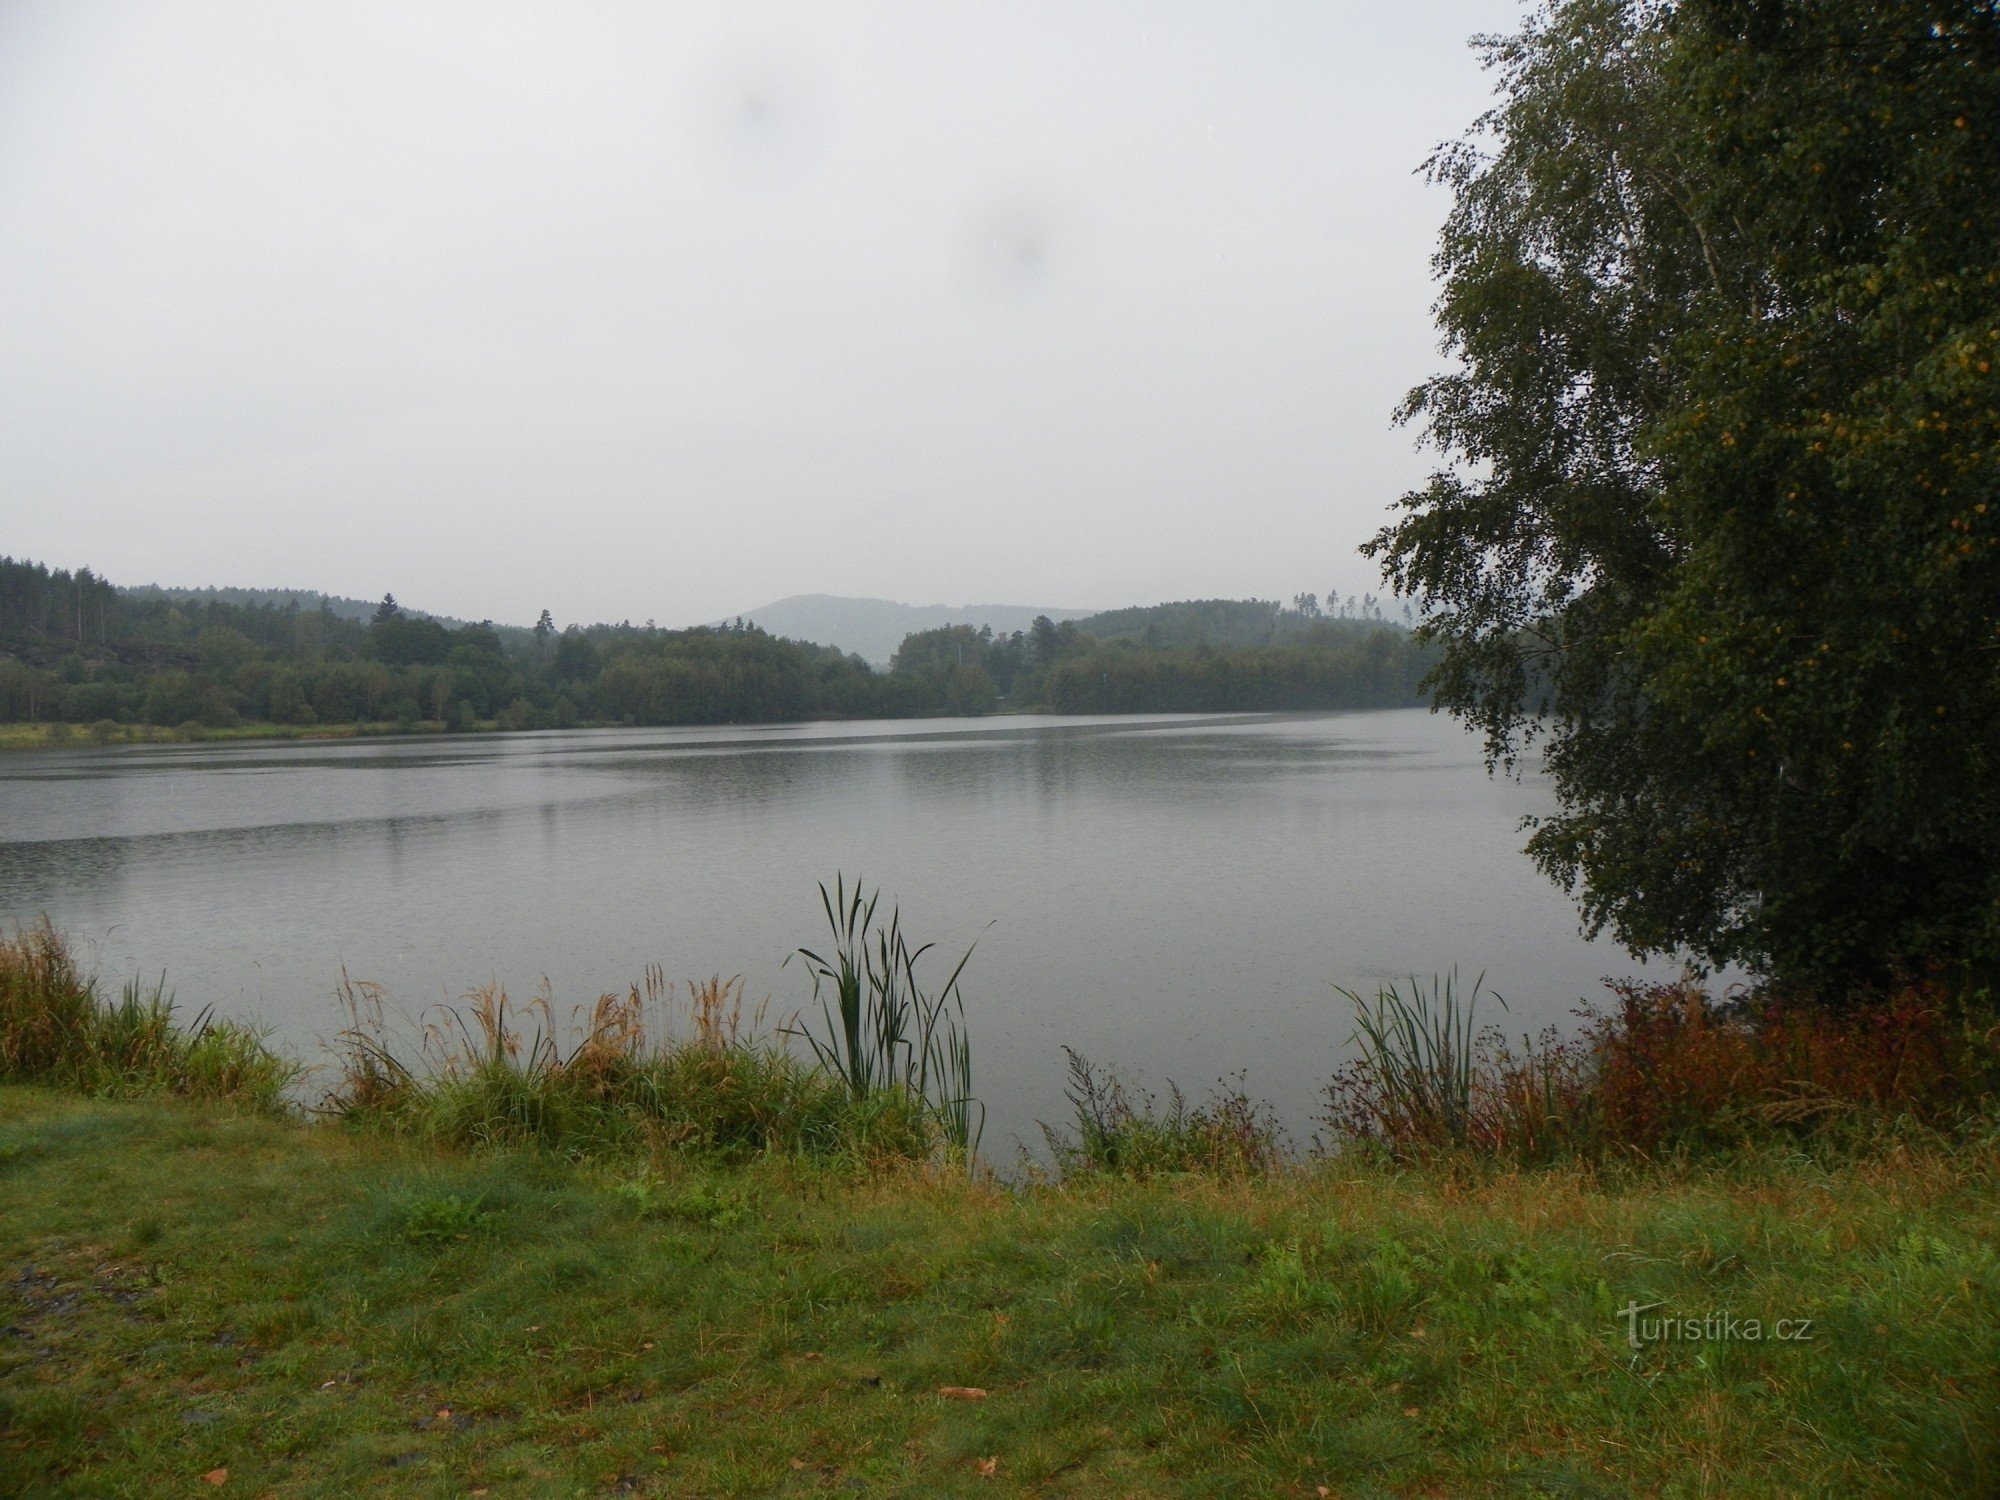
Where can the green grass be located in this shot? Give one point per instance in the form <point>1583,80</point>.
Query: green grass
<point>323,1311</point>
<point>640,1072</point>
<point>646,1070</point>
<point>56,1028</point>
<point>669,1256</point>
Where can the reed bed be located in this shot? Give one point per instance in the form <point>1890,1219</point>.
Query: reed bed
<point>56,1028</point>
<point>1427,1077</point>
<point>1669,1069</point>
<point>690,1068</point>
<point>658,1067</point>
<point>884,1074</point>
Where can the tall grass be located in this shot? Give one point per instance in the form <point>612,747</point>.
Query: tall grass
<point>1419,1052</point>
<point>1123,1132</point>
<point>1670,1068</point>
<point>647,1068</point>
<point>55,1028</point>
<point>883,1029</point>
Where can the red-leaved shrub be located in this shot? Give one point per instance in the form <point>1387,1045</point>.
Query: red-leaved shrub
<point>1670,1066</point>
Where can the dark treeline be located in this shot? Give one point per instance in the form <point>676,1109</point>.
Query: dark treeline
<point>76,650</point>
<point>1375,668</point>
<point>1158,662</point>
<point>1233,622</point>
<point>309,600</point>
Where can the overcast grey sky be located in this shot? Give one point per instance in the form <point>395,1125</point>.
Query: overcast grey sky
<point>660,310</point>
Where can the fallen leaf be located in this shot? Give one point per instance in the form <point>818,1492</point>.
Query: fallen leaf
<point>812,1356</point>
<point>961,1393</point>
<point>1411,1411</point>
<point>798,1463</point>
<point>216,1476</point>
<point>988,1467</point>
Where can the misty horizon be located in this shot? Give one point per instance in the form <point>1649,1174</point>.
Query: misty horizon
<point>629,314</point>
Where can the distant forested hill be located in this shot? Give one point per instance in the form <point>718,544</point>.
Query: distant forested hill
<point>1229,622</point>
<point>76,650</point>
<point>874,628</point>
<point>340,606</point>
<point>1206,656</point>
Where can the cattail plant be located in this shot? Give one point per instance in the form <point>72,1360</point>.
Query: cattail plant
<point>884,1031</point>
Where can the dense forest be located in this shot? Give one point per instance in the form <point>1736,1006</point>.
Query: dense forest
<point>1233,622</point>
<point>1159,664</point>
<point>75,650</point>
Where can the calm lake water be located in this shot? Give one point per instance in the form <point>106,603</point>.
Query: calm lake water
<point>1176,896</point>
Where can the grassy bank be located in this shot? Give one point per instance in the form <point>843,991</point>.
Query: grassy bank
<point>1691,1252</point>
<point>324,1311</point>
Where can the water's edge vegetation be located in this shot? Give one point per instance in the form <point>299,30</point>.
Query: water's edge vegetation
<point>676,1254</point>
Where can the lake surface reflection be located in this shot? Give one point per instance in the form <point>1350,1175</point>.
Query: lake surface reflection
<point>1176,896</point>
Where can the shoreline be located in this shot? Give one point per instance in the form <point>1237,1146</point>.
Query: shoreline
<point>44,736</point>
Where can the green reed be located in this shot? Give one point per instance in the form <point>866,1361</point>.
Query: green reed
<point>1419,1061</point>
<point>56,1028</point>
<point>884,1029</point>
